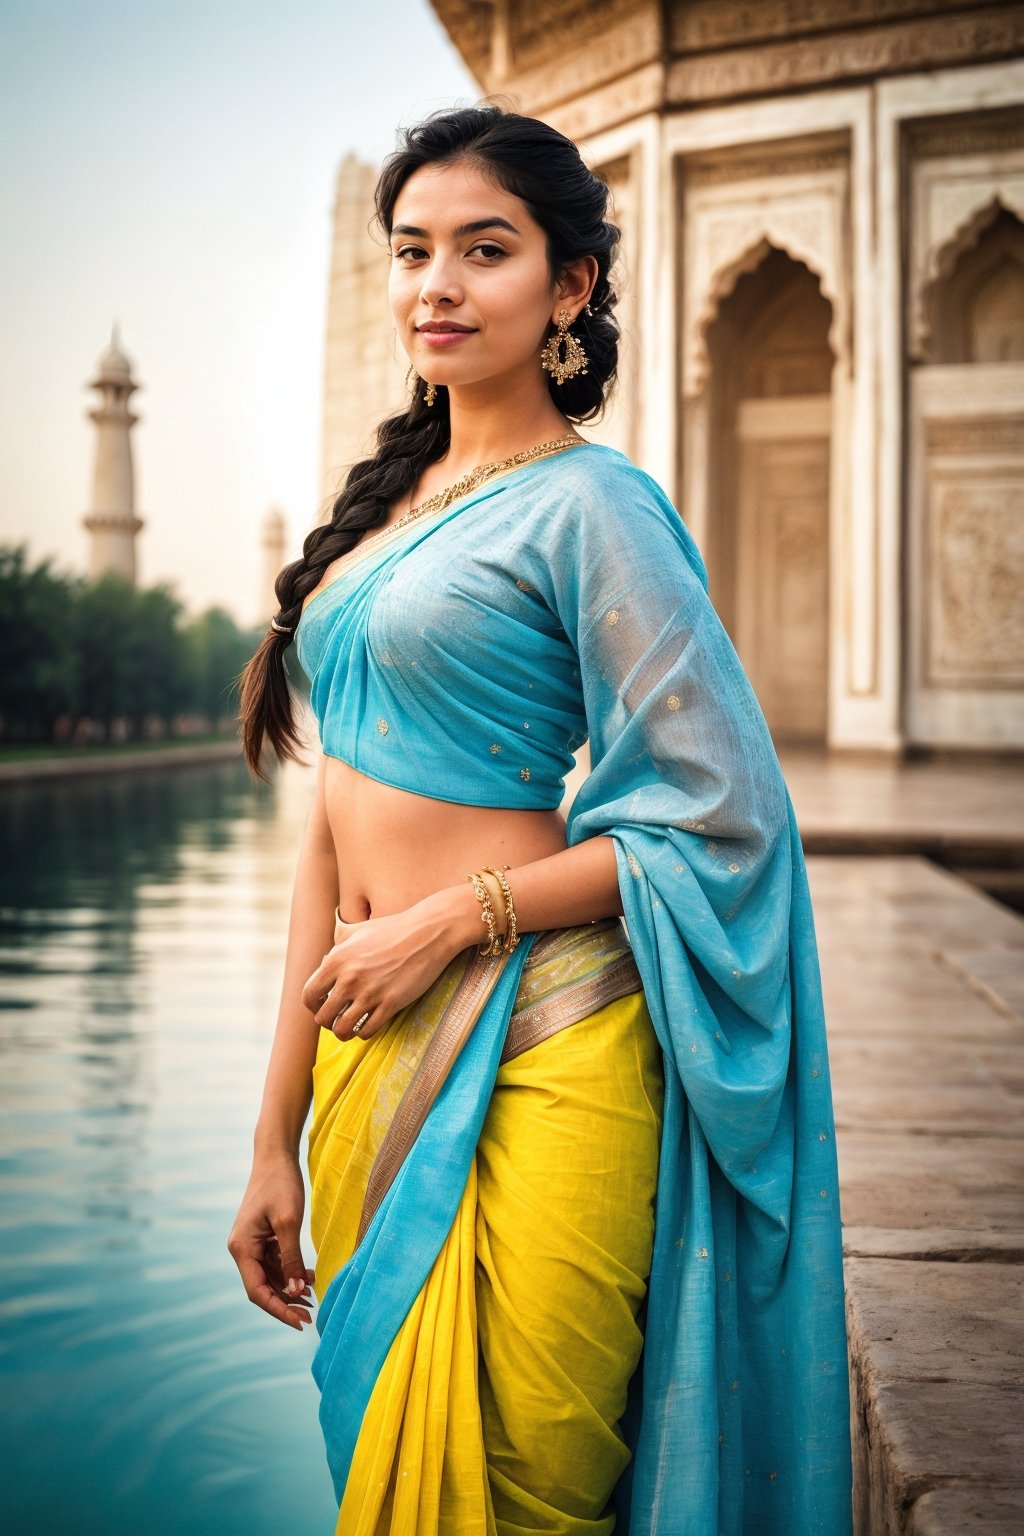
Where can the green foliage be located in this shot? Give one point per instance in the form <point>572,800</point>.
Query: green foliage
<point>39,676</point>
<point>111,654</point>
<point>216,650</point>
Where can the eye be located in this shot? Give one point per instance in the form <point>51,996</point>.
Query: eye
<point>407,250</point>
<point>487,246</point>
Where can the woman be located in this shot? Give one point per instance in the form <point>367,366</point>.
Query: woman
<point>538,1146</point>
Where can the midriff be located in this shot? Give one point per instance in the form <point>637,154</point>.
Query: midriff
<point>395,847</point>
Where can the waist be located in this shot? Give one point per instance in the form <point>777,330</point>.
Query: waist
<point>395,846</point>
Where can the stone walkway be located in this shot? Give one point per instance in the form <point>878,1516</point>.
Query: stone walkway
<point>923,978</point>
<point>845,803</point>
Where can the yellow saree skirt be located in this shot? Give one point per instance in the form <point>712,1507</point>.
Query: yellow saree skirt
<point>497,1409</point>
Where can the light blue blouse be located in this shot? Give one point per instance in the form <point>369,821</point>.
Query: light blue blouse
<point>465,657</point>
<point>441,664</point>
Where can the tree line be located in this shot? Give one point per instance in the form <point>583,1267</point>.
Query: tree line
<point>104,660</point>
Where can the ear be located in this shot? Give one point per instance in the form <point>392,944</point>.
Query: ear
<point>575,286</point>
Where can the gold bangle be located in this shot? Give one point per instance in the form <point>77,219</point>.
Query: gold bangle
<point>497,899</point>
<point>493,945</point>
<point>511,930</point>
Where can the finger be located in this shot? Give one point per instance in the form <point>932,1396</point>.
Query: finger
<point>293,1268</point>
<point>342,1026</point>
<point>338,1009</point>
<point>316,988</point>
<point>379,1018</point>
<point>262,1294</point>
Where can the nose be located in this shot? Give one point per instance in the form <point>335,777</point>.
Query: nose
<point>439,283</point>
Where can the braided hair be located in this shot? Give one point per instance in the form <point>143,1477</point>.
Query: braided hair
<point>539,165</point>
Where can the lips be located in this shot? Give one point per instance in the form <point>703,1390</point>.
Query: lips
<point>443,327</point>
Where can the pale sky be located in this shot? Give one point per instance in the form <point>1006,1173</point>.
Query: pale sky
<point>172,168</point>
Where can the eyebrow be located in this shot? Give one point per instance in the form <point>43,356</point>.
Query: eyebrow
<point>463,229</point>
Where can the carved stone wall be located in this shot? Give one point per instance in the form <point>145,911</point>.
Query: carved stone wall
<point>965,529</point>
<point>735,207</point>
<point>963,173</point>
<point>588,66</point>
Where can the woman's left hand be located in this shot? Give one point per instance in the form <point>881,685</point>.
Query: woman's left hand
<point>378,967</point>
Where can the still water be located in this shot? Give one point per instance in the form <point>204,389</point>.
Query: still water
<point>143,921</point>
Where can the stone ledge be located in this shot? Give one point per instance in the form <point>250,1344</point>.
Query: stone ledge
<point>922,976</point>
<point>997,1509</point>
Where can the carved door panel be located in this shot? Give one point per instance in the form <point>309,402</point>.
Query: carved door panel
<point>782,581</point>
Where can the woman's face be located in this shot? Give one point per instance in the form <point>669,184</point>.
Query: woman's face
<point>465,253</point>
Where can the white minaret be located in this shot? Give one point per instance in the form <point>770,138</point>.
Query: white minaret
<point>112,523</point>
<point>273,538</point>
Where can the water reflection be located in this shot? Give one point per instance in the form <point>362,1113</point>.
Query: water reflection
<point>142,930</point>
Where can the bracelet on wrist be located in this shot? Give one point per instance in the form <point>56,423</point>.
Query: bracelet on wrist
<point>511,932</point>
<point>492,944</point>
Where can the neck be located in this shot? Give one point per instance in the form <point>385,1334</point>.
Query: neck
<point>495,418</point>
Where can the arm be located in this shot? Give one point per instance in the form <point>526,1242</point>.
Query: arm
<point>385,962</point>
<point>577,885</point>
<point>288,1087</point>
<point>264,1240</point>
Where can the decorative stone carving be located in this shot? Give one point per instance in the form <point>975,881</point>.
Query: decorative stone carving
<point>954,203</point>
<point>974,575</point>
<point>702,24</point>
<point>729,229</point>
<point>768,68</point>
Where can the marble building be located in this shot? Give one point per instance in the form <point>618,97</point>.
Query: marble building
<point>822,297</point>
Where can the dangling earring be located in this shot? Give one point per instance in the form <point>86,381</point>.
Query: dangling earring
<point>430,394</point>
<point>575,357</point>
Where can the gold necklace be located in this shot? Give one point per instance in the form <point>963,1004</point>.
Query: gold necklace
<point>474,477</point>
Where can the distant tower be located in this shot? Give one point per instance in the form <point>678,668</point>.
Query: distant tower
<point>273,540</point>
<point>112,523</point>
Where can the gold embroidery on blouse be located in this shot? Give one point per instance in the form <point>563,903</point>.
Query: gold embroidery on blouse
<point>613,616</point>
<point>382,726</point>
<point>734,868</point>
<point>524,773</point>
<point>495,748</point>
<point>673,701</point>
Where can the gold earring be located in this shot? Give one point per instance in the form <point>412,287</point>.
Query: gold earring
<point>430,394</point>
<point>575,358</point>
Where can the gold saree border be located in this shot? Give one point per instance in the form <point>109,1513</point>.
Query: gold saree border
<point>453,1030</point>
<point>572,1004</point>
<point>613,974</point>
